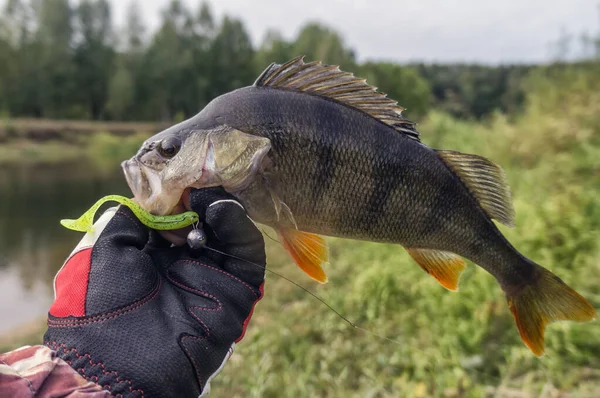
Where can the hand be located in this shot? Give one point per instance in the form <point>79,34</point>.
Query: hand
<point>142,318</point>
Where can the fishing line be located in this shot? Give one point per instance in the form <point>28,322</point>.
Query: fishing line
<point>349,322</point>
<point>543,367</point>
<point>268,236</point>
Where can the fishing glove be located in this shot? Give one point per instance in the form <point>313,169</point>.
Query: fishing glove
<point>143,318</point>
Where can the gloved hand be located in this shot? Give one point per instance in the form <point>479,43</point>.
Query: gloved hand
<point>142,318</point>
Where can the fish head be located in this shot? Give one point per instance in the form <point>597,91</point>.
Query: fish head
<point>180,158</point>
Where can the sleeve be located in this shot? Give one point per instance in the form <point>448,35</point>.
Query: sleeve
<point>37,372</point>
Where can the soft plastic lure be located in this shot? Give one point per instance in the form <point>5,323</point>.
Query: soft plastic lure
<point>162,223</point>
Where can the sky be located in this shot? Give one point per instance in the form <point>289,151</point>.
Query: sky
<point>485,31</point>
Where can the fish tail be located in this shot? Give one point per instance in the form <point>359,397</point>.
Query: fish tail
<point>545,300</point>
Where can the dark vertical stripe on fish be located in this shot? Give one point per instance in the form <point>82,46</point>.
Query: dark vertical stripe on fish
<point>325,169</point>
<point>385,183</point>
<point>440,199</point>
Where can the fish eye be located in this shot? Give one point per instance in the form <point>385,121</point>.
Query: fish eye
<point>169,147</point>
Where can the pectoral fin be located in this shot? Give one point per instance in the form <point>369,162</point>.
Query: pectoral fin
<point>446,267</point>
<point>309,251</point>
<point>282,211</point>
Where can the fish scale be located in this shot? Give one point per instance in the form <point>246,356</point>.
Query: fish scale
<point>311,150</point>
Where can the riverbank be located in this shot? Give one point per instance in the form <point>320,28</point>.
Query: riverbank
<point>47,129</point>
<point>40,141</point>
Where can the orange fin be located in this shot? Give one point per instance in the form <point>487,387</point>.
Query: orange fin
<point>446,267</point>
<point>309,251</point>
<point>547,300</point>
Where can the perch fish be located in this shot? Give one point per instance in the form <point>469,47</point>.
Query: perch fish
<point>311,150</point>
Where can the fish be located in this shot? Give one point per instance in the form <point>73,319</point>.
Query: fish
<point>313,151</point>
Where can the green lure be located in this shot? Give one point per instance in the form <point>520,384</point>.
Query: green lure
<point>162,223</point>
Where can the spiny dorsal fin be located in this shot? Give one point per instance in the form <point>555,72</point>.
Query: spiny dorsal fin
<point>329,81</point>
<point>486,181</point>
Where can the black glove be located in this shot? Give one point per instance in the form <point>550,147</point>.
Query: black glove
<point>142,318</point>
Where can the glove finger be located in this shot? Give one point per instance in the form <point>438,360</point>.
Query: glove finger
<point>120,272</point>
<point>237,236</point>
<point>200,199</point>
<point>156,240</point>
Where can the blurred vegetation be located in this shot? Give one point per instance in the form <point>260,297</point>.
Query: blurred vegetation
<point>540,122</point>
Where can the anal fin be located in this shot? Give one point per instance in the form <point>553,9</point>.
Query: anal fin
<point>446,267</point>
<point>309,251</point>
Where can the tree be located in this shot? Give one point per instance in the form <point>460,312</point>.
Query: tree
<point>129,74</point>
<point>135,30</point>
<point>206,22</point>
<point>562,46</point>
<point>232,58</point>
<point>206,31</point>
<point>274,48</point>
<point>54,36</point>
<point>318,42</point>
<point>120,93</point>
<point>6,65</point>
<point>94,55</point>
<point>20,61</point>
<point>17,22</point>
<point>402,84</point>
<point>169,65</point>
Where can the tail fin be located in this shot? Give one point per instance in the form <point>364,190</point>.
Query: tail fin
<point>546,300</point>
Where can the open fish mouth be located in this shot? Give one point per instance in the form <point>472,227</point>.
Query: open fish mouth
<point>143,187</point>
<point>147,188</point>
<point>136,180</point>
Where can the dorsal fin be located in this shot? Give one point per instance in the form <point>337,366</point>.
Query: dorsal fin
<point>330,82</point>
<point>486,181</point>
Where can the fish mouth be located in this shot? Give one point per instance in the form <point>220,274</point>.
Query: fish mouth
<point>136,180</point>
<point>147,188</point>
<point>145,192</point>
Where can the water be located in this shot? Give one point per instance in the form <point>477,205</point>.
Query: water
<point>33,244</point>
